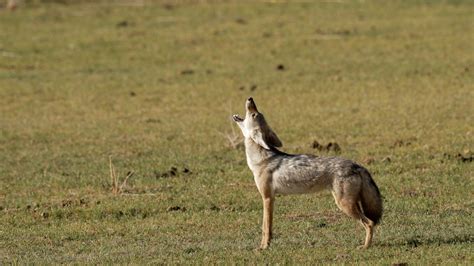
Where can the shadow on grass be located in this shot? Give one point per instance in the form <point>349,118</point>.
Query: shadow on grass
<point>416,241</point>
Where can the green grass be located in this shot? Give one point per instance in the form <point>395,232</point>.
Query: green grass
<point>154,87</point>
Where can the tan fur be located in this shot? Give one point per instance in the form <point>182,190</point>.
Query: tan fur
<point>276,172</point>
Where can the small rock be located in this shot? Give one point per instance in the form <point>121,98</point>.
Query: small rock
<point>280,67</point>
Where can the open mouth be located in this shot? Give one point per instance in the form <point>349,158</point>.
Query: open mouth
<point>237,118</point>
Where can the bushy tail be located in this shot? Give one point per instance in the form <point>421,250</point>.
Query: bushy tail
<point>371,199</point>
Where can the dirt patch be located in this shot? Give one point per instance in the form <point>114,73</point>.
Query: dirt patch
<point>241,21</point>
<point>402,143</point>
<point>252,87</point>
<point>316,145</point>
<point>187,72</point>
<point>410,193</point>
<point>172,172</point>
<point>152,120</point>
<point>82,202</point>
<point>168,6</point>
<point>331,146</point>
<point>368,160</point>
<point>281,67</point>
<point>464,158</point>
<point>339,32</point>
<point>122,24</point>
<point>214,208</point>
<point>176,208</point>
<point>467,157</point>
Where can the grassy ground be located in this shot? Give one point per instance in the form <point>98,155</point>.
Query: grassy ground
<point>153,87</point>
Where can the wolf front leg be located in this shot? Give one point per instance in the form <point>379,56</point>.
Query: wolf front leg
<point>267,221</point>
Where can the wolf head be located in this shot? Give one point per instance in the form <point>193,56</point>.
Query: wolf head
<point>255,127</point>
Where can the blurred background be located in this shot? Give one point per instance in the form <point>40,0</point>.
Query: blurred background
<point>116,143</point>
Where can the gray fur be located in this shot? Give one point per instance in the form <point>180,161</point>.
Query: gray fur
<point>276,172</point>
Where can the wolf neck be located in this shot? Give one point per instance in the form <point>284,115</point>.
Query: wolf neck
<point>257,155</point>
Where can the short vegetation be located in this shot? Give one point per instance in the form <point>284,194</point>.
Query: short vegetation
<point>116,144</point>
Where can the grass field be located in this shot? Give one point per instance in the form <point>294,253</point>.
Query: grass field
<point>153,87</point>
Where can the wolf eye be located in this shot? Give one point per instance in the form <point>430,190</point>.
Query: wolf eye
<point>254,115</point>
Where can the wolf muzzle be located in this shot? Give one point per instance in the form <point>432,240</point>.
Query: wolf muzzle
<point>250,105</point>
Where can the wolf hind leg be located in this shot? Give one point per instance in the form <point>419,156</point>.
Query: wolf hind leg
<point>349,204</point>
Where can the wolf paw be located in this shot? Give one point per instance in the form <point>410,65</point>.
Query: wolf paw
<point>263,246</point>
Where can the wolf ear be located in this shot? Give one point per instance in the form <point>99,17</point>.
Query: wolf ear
<point>265,137</point>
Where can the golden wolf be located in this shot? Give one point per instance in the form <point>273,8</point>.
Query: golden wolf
<point>276,172</point>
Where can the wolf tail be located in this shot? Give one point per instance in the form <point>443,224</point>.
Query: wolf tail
<point>371,199</point>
